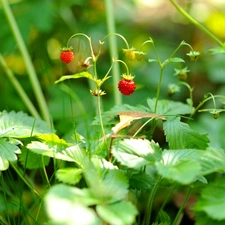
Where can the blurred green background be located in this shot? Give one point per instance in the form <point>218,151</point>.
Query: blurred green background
<point>46,25</point>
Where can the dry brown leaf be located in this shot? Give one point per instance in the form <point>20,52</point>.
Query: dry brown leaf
<point>127,117</point>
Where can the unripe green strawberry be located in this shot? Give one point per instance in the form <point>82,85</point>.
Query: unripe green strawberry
<point>126,85</point>
<point>66,55</point>
<point>129,53</point>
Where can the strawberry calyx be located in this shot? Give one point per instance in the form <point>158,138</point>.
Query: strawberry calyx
<point>127,77</point>
<point>66,48</point>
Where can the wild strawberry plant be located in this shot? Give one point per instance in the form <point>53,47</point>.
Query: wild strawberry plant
<point>121,174</point>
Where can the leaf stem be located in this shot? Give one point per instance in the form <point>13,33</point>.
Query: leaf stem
<point>109,6</point>
<point>29,66</point>
<point>158,89</point>
<point>182,206</point>
<point>150,201</point>
<point>25,181</point>
<point>196,23</point>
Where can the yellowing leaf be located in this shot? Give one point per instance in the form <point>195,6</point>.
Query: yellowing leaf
<point>128,116</point>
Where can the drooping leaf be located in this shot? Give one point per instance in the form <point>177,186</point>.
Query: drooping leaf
<point>75,76</point>
<point>69,205</point>
<point>202,218</point>
<point>180,165</point>
<point>19,125</point>
<point>135,153</point>
<point>69,175</point>
<point>52,146</point>
<point>169,107</point>
<point>128,116</point>
<point>120,213</point>
<point>7,153</point>
<point>212,200</point>
<point>179,135</point>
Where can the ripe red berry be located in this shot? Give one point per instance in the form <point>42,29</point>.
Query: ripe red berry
<point>66,55</point>
<point>126,86</point>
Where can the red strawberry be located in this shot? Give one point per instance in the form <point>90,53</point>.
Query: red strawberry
<point>127,86</point>
<point>66,55</point>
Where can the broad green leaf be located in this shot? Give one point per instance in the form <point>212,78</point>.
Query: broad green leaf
<point>108,186</point>
<point>120,213</point>
<point>52,146</point>
<point>69,175</point>
<point>7,153</point>
<point>179,135</point>
<point>202,218</point>
<point>69,206</point>
<point>19,125</point>
<point>169,107</point>
<point>212,200</point>
<point>141,181</point>
<point>75,76</point>
<point>135,153</point>
<point>180,165</point>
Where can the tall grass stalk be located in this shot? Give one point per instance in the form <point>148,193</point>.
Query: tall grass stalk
<point>27,60</point>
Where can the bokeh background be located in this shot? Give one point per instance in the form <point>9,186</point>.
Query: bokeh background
<point>46,25</point>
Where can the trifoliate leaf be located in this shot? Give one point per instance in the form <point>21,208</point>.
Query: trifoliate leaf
<point>179,135</point>
<point>69,205</point>
<point>52,146</point>
<point>19,124</point>
<point>135,153</point>
<point>212,200</point>
<point>7,153</point>
<point>120,213</point>
<point>169,107</point>
<point>180,165</point>
<point>69,175</point>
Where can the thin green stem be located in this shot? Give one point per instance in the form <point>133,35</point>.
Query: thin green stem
<point>25,181</point>
<point>119,35</point>
<point>28,63</point>
<point>158,89</point>
<point>19,88</point>
<point>197,24</point>
<point>113,49</point>
<point>150,201</point>
<point>100,114</point>
<point>182,206</point>
<point>118,60</point>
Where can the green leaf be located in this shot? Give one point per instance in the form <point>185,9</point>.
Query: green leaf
<point>141,181</point>
<point>152,60</point>
<point>176,59</point>
<point>135,153</point>
<point>179,135</point>
<point>169,107</point>
<point>52,146</point>
<point>7,153</point>
<point>19,125</point>
<point>180,165</point>
<point>69,205</point>
<point>108,186</point>
<point>202,218</point>
<point>69,175</point>
<point>31,160</point>
<point>212,200</point>
<point>120,213</point>
<point>75,76</point>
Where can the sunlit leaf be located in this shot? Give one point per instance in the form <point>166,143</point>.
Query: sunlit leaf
<point>7,153</point>
<point>120,213</point>
<point>69,205</point>
<point>75,76</point>
<point>179,135</point>
<point>52,146</point>
<point>135,153</point>
<point>69,175</point>
<point>19,124</point>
